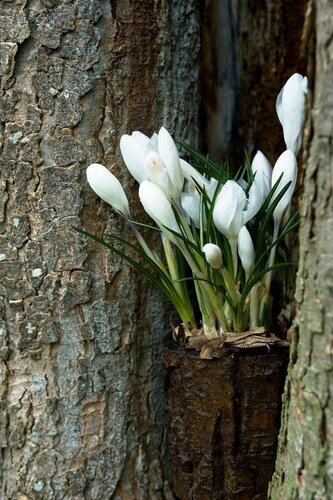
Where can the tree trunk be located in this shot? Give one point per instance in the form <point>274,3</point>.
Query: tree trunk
<point>223,423</point>
<point>81,333</point>
<point>305,455</point>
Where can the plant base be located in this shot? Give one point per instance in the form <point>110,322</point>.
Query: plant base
<point>223,416</point>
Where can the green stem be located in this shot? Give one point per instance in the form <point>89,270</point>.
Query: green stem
<point>231,287</point>
<point>215,306</point>
<point>175,276</point>
<point>208,316</point>
<point>254,307</point>
<point>233,246</point>
<point>268,277</point>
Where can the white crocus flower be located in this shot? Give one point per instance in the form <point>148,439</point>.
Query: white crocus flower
<point>134,149</point>
<point>286,166</point>
<point>169,154</point>
<point>213,255</point>
<point>290,110</point>
<point>158,207</point>
<point>107,187</point>
<point>233,210</point>
<point>245,249</point>
<point>262,170</point>
<point>228,209</point>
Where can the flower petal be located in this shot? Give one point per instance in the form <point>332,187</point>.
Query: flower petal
<point>158,207</point>
<point>245,249</point>
<point>286,166</point>
<point>290,110</point>
<point>227,212</point>
<point>108,188</point>
<point>134,149</point>
<point>169,154</point>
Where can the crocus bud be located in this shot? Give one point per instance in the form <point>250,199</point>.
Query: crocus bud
<point>290,110</point>
<point>107,187</point>
<point>158,207</point>
<point>169,154</point>
<point>286,166</point>
<point>228,209</point>
<point>245,249</point>
<point>134,149</point>
<point>213,255</point>
<point>262,170</point>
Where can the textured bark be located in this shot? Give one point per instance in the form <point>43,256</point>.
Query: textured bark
<point>223,424</point>
<point>80,339</point>
<point>305,458</point>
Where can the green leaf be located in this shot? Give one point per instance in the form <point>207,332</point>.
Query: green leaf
<point>165,284</point>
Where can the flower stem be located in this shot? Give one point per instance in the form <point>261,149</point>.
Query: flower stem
<point>175,276</point>
<point>233,246</point>
<point>268,277</point>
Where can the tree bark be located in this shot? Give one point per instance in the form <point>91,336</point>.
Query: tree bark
<point>223,423</point>
<point>81,333</point>
<point>305,455</point>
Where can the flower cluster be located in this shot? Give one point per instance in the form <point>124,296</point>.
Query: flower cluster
<point>220,234</point>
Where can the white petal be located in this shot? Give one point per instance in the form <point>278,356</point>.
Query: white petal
<point>254,202</point>
<point>279,108</point>
<point>157,173</point>
<point>153,143</point>
<point>190,173</point>
<point>245,249</point>
<point>107,187</point>
<point>227,212</point>
<point>191,206</point>
<point>304,85</point>
<point>262,170</point>
<point>213,183</point>
<point>134,149</point>
<point>157,205</point>
<point>290,110</point>
<point>169,154</point>
<point>286,166</point>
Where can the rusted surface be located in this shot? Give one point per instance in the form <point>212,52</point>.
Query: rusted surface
<point>223,417</point>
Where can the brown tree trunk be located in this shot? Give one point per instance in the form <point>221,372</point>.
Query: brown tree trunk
<point>305,455</point>
<point>223,420</point>
<point>80,339</point>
